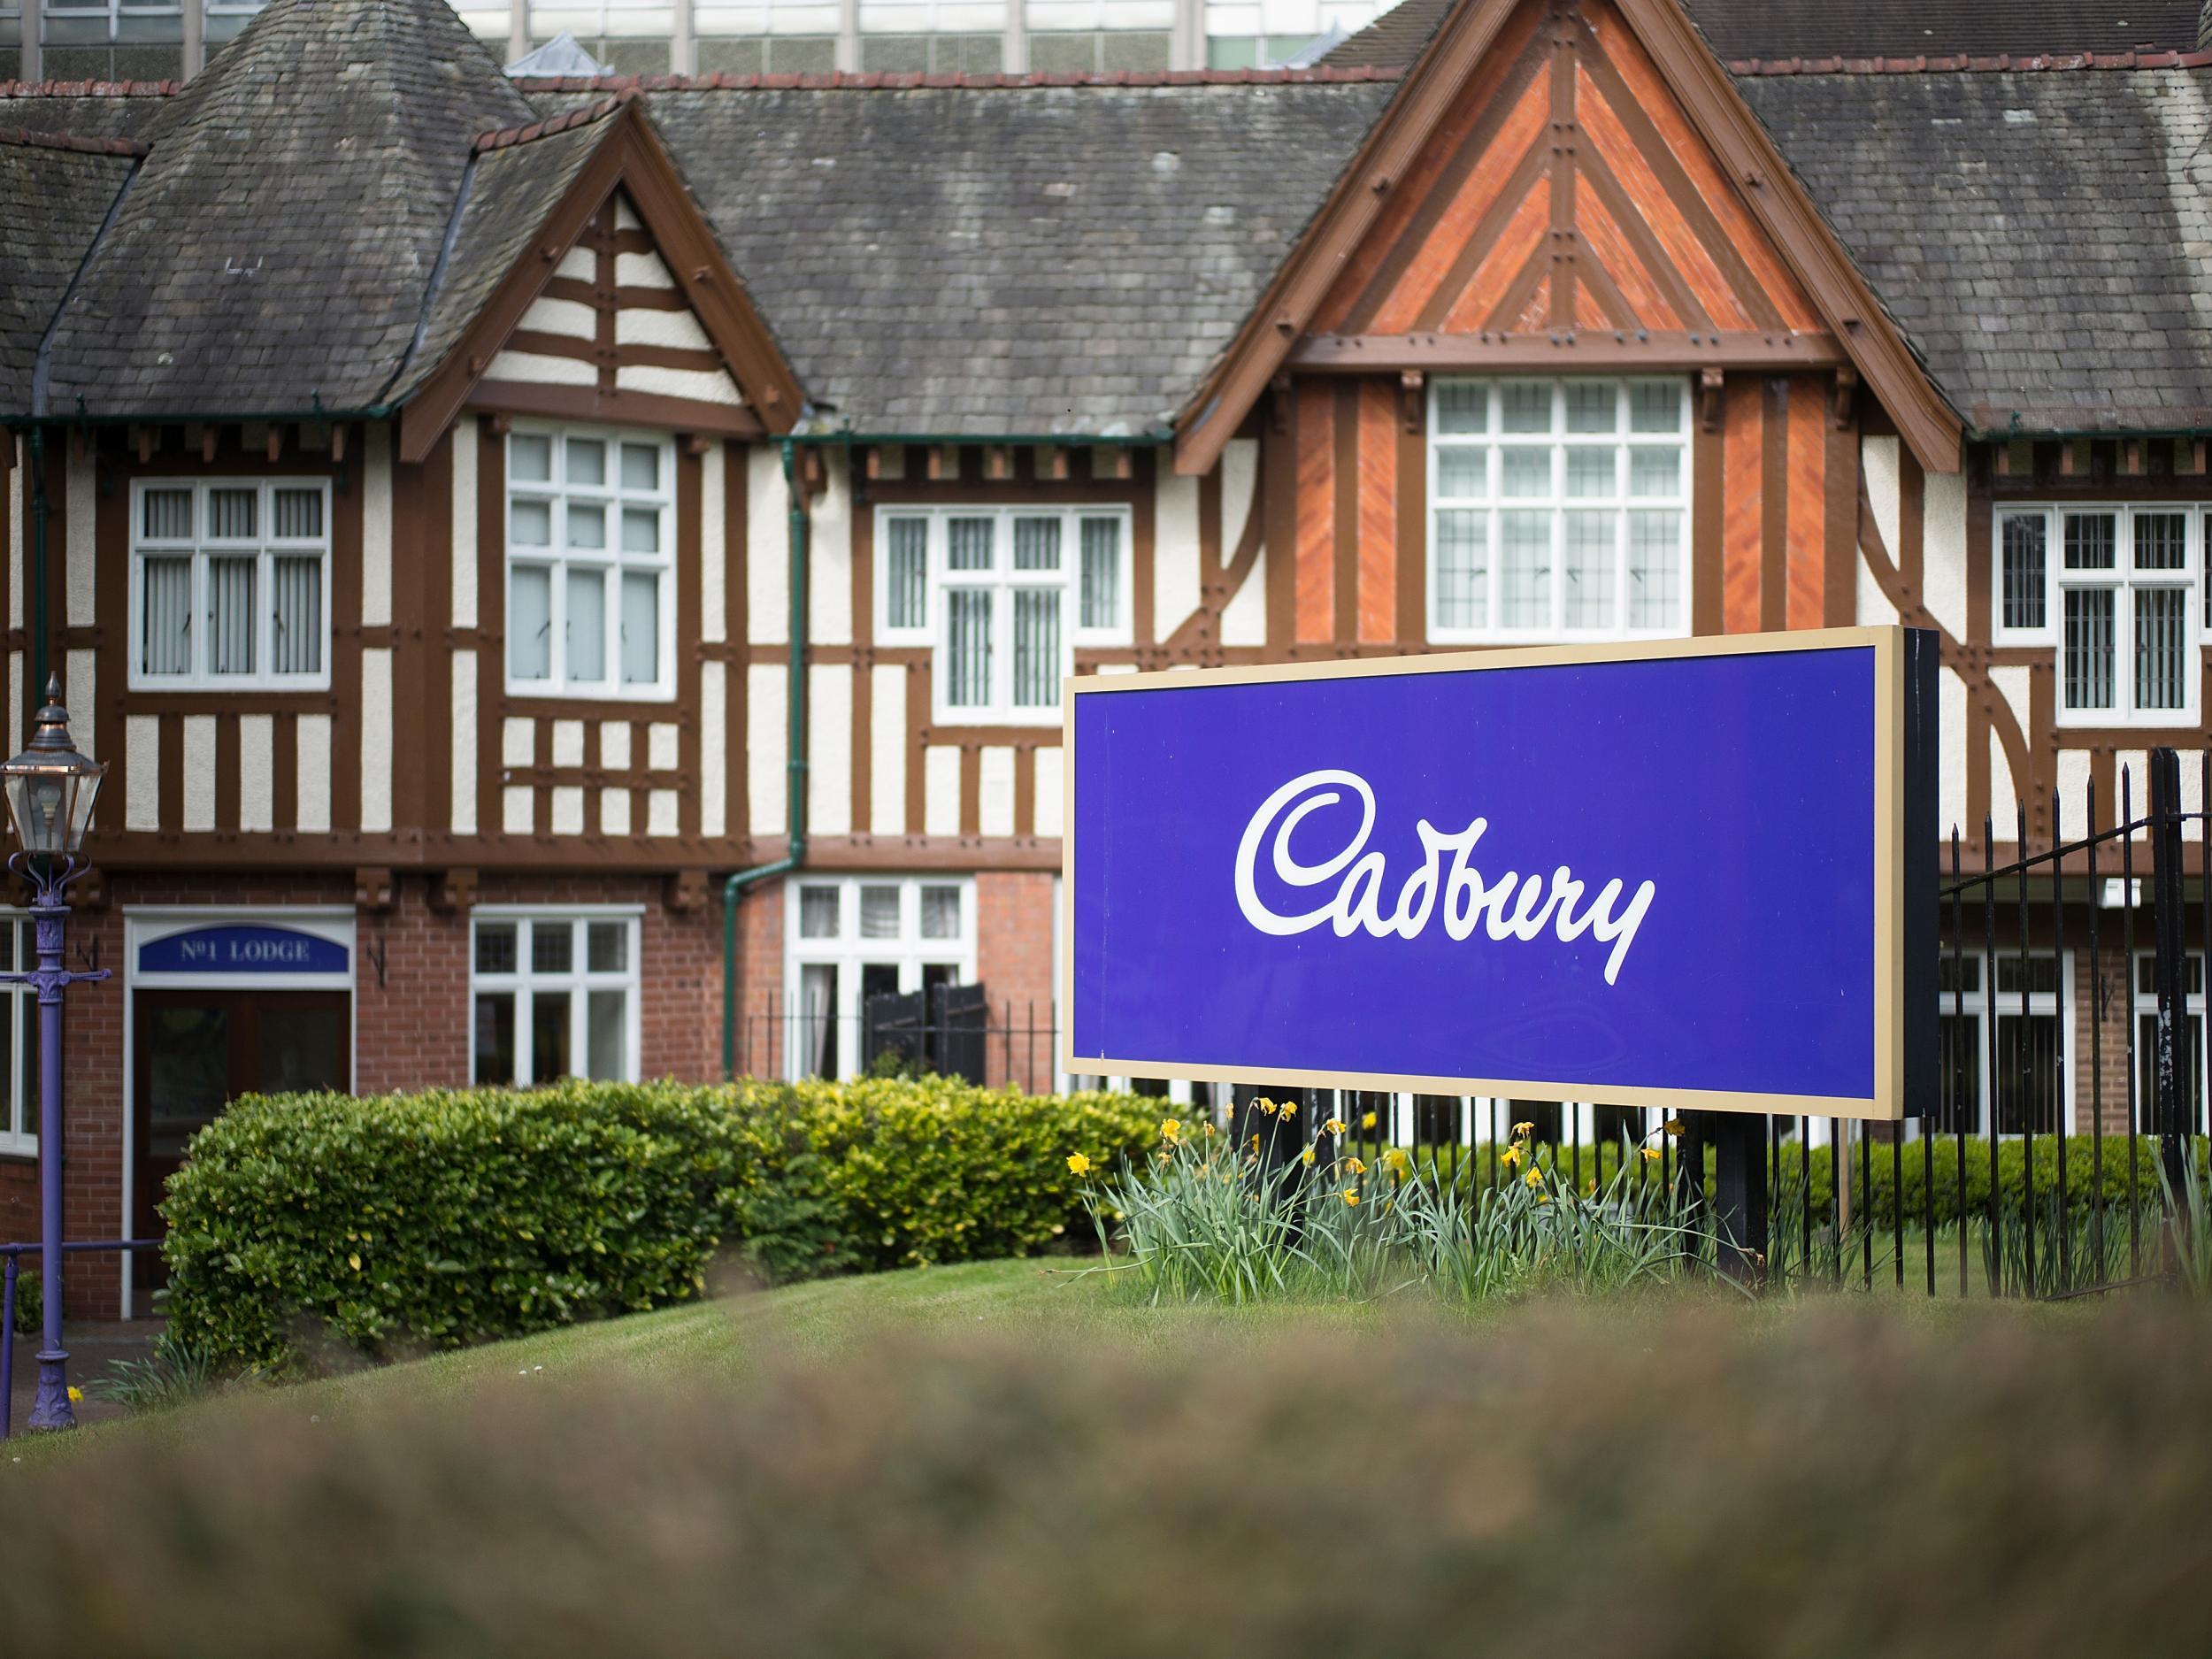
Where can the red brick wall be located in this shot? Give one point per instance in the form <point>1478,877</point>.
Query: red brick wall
<point>411,1030</point>
<point>1013,958</point>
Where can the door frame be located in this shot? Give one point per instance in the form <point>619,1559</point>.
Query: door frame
<point>143,925</point>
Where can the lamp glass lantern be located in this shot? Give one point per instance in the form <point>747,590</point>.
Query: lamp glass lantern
<point>51,786</point>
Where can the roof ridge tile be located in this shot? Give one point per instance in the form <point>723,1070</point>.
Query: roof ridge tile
<point>1999,63</point>
<point>89,88</point>
<point>887,81</point>
<point>132,147</point>
<point>507,137</point>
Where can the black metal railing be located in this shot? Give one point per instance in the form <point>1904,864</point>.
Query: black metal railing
<point>2072,1091</point>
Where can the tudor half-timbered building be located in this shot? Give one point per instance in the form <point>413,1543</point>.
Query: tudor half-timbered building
<point>578,579</point>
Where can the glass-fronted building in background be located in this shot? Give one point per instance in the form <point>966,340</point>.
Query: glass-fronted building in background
<point>123,39</point>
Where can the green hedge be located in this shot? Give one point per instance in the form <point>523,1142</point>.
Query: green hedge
<point>395,1224</point>
<point>1600,1162</point>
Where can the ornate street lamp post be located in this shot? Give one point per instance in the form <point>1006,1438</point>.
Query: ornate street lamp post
<point>50,789</point>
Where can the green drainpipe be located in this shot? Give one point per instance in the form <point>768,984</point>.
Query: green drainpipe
<point>795,768</point>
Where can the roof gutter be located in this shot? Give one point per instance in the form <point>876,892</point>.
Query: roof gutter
<point>195,418</point>
<point>848,437</point>
<point>734,889</point>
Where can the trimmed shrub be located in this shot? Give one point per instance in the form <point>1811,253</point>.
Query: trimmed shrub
<point>1598,1161</point>
<point>395,1223</point>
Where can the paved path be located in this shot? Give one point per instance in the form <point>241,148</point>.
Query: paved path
<point>92,1348</point>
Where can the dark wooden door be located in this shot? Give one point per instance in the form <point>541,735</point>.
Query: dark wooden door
<point>194,1052</point>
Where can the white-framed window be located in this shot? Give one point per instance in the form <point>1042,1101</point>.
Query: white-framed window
<point>2116,591</point>
<point>1004,595</point>
<point>2034,1037</point>
<point>850,939</point>
<point>18,1039</point>
<point>591,580</point>
<point>2189,1052</point>
<point>230,584</point>
<point>1558,509</point>
<point>553,993</point>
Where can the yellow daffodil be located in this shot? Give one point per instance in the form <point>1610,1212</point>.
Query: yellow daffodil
<point>1077,1164</point>
<point>1351,1198</point>
<point>1265,1108</point>
<point>1171,1130</point>
<point>76,1395</point>
<point>1306,1156</point>
<point>1651,1154</point>
<point>1536,1178</point>
<point>1356,1166</point>
<point>1522,1131</point>
<point>1511,1155</point>
<point>1674,1125</point>
<point>1396,1157</point>
<point>1334,1126</point>
<point>1288,1109</point>
<point>1367,1120</point>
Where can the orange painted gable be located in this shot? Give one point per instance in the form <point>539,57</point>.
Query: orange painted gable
<point>1568,191</point>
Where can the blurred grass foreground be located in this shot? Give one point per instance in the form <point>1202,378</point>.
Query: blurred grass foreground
<point>998,1461</point>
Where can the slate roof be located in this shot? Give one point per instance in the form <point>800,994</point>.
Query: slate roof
<point>274,252</point>
<point>2044,236</point>
<point>1017,260</point>
<point>1036,257</point>
<point>53,197</point>
<point>1742,29</point>
<point>87,109</point>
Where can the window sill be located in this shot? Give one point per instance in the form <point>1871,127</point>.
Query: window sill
<point>537,691</point>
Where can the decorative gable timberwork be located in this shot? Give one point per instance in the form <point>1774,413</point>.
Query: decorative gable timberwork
<point>1565,185</point>
<point>612,320</point>
<point>581,281</point>
<point>1568,194</point>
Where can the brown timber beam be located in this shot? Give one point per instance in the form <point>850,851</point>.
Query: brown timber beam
<point>1565,352</point>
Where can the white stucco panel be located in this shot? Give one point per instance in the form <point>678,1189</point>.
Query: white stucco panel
<point>464,714</point>
<point>376,741</point>
<point>1944,552</point>
<point>312,771</point>
<point>199,771</point>
<point>767,569</point>
<point>829,547</point>
<point>829,795</point>
<point>994,792</point>
<point>940,790</point>
<point>714,771</point>
<point>714,545</point>
<point>141,771</point>
<point>1244,618</point>
<point>1951,734</point>
<point>466,459</point>
<point>256,772</point>
<point>1052,785</point>
<point>765,751</point>
<point>887,746</point>
<point>1174,554</point>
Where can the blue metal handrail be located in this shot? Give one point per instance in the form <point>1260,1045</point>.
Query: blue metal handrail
<point>13,1256</point>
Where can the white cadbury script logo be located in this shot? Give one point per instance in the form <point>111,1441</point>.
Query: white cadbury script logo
<point>1504,913</point>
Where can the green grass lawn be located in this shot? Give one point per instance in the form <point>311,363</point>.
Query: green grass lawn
<point>1012,1458</point>
<point>1051,1305</point>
